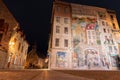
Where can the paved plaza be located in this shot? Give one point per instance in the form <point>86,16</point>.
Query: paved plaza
<point>37,75</point>
<point>58,75</point>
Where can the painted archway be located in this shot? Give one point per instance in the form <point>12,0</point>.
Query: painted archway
<point>92,59</point>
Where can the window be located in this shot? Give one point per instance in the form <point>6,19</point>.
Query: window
<point>108,30</point>
<point>106,23</point>
<point>103,23</point>
<point>114,27</point>
<point>104,30</point>
<point>93,33</point>
<point>66,30</point>
<point>89,37</point>
<point>66,20</point>
<point>57,29</point>
<point>66,10</point>
<point>111,16</point>
<point>110,48</point>
<point>19,46</point>
<point>57,42</point>
<point>1,36</point>
<point>22,49</point>
<point>58,8</point>
<point>58,19</point>
<point>65,43</point>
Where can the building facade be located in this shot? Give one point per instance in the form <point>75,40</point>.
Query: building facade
<point>18,48</point>
<point>83,37</point>
<point>13,45</point>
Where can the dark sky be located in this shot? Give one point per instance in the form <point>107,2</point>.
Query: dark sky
<point>34,16</point>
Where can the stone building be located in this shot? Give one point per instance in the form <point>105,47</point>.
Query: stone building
<point>13,45</point>
<point>83,37</point>
<point>34,61</point>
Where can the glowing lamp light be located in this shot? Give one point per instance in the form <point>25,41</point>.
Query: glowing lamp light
<point>46,60</point>
<point>11,43</point>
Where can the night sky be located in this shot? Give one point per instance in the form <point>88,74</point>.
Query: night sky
<point>34,17</point>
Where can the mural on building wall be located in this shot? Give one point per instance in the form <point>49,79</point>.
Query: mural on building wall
<point>90,57</point>
<point>61,59</point>
<point>85,31</point>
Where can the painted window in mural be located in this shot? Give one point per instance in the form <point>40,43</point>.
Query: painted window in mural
<point>57,29</point>
<point>110,49</point>
<point>61,59</point>
<point>107,24</point>
<point>57,42</point>
<point>103,23</point>
<point>115,50</point>
<point>58,19</point>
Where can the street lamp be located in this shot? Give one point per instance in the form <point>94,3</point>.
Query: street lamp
<point>11,43</point>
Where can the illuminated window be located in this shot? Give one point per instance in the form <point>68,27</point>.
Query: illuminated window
<point>65,43</point>
<point>66,30</point>
<point>58,19</point>
<point>108,30</point>
<point>57,29</point>
<point>66,20</point>
<point>57,42</point>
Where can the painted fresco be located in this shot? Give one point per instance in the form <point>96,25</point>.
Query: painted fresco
<point>86,35</point>
<point>61,59</point>
<point>81,26</point>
